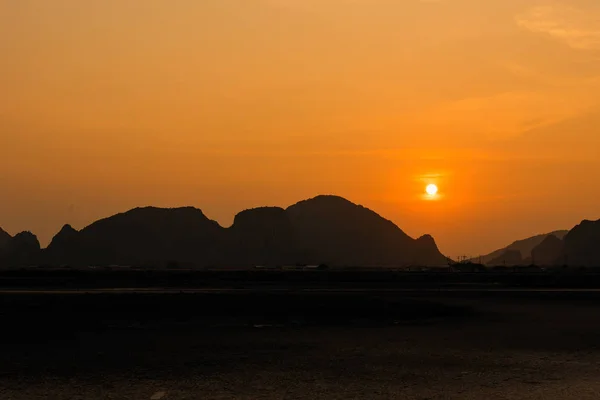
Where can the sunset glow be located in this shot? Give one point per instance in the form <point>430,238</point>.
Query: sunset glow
<point>228,105</point>
<point>431,190</point>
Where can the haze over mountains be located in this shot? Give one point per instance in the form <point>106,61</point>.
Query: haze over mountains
<point>518,251</point>
<point>323,230</point>
<point>578,247</point>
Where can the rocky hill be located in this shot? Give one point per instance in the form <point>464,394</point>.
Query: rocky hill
<point>323,230</point>
<point>548,253</point>
<point>142,236</point>
<point>333,230</point>
<point>21,250</point>
<point>524,247</point>
<point>582,245</point>
<point>4,239</point>
<point>508,258</point>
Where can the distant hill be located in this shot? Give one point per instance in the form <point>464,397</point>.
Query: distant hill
<point>508,258</point>
<point>548,253</point>
<point>524,247</point>
<point>142,236</point>
<point>262,236</point>
<point>22,249</point>
<point>582,245</point>
<point>4,240</point>
<point>323,230</point>
<point>335,231</point>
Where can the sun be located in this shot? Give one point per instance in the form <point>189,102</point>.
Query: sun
<point>431,190</point>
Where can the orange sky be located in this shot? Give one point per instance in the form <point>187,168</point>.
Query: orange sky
<point>232,104</point>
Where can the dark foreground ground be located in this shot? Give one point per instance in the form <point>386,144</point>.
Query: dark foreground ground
<point>300,345</point>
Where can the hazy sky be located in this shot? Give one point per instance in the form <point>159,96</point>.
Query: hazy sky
<point>230,104</point>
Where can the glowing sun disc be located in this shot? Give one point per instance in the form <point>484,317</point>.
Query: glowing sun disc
<point>431,189</point>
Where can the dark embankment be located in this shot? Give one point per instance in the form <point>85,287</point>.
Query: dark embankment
<point>68,279</point>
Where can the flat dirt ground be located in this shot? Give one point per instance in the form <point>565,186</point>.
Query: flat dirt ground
<point>300,346</point>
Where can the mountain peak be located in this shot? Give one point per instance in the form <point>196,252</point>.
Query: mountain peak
<point>22,249</point>
<point>326,200</point>
<point>25,235</point>
<point>65,236</point>
<point>548,252</point>
<point>329,197</point>
<point>339,232</point>
<point>258,212</point>
<point>524,246</point>
<point>426,238</point>
<point>4,234</point>
<point>4,239</point>
<point>581,244</point>
<point>152,217</point>
<point>164,210</point>
<point>26,242</point>
<point>586,224</point>
<point>67,228</point>
<point>326,229</point>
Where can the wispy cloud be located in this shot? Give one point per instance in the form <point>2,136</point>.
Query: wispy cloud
<point>576,27</point>
<point>553,79</point>
<point>499,116</point>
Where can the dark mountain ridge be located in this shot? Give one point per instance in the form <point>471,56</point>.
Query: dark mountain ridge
<point>508,255</point>
<point>582,245</point>
<point>4,240</point>
<point>261,236</point>
<point>142,236</point>
<point>322,230</point>
<point>21,249</point>
<point>335,231</point>
<point>548,253</point>
<point>508,258</point>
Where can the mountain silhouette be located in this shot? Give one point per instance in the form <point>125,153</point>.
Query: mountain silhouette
<point>549,252</point>
<point>262,236</point>
<point>22,249</point>
<point>4,240</point>
<point>524,247</point>
<point>508,258</point>
<point>142,236</point>
<point>582,245</point>
<point>426,249</point>
<point>323,230</point>
<point>65,248</point>
<point>332,230</point>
